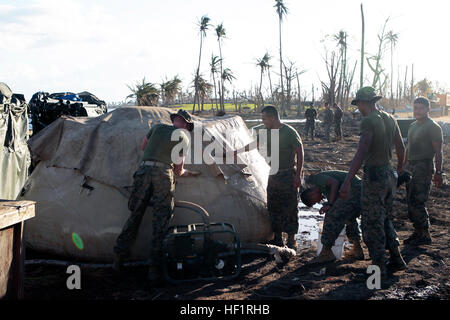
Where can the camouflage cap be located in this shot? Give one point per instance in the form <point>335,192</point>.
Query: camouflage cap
<point>186,116</point>
<point>366,94</point>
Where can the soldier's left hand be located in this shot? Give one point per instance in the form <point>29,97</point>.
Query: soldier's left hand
<point>297,182</point>
<point>325,208</point>
<point>438,180</point>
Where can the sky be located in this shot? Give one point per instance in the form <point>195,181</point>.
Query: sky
<point>102,46</point>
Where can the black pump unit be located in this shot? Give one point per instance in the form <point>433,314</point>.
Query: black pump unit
<point>201,251</point>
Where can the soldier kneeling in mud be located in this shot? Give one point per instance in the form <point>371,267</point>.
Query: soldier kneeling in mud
<point>338,212</point>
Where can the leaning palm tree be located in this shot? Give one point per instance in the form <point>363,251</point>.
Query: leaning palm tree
<point>214,70</point>
<point>227,75</point>
<point>393,39</point>
<point>221,33</point>
<point>263,64</point>
<point>282,10</point>
<point>203,24</point>
<point>145,93</point>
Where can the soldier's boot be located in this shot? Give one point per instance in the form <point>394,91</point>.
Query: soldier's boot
<point>419,237</point>
<point>291,242</point>
<point>382,265</point>
<point>277,240</point>
<point>356,252</point>
<point>396,261</point>
<point>325,256</point>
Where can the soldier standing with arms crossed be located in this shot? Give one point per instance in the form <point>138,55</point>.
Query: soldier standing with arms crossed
<point>379,132</point>
<point>424,144</point>
<point>282,187</point>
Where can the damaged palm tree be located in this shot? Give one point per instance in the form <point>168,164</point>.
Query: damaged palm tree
<point>330,89</point>
<point>374,61</point>
<point>282,11</point>
<point>203,88</point>
<point>145,93</point>
<point>169,90</point>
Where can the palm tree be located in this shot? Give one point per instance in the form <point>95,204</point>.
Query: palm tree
<point>203,24</point>
<point>227,75</point>
<point>146,93</point>
<point>282,10</point>
<point>262,64</point>
<point>361,76</point>
<point>393,39</point>
<point>170,89</point>
<point>203,89</point>
<point>221,33</point>
<point>214,69</point>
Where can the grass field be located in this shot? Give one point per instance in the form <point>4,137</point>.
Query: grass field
<point>210,106</point>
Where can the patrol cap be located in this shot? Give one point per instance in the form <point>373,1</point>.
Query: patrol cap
<point>186,116</point>
<point>366,94</point>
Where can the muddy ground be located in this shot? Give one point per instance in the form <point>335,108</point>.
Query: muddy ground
<point>427,275</point>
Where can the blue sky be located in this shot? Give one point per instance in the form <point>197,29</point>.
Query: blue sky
<point>100,46</point>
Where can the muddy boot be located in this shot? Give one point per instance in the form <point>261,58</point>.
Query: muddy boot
<point>382,266</point>
<point>356,252</point>
<point>292,242</point>
<point>396,261</point>
<point>277,240</point>
<point>419,237</point>
<point>325,256</point>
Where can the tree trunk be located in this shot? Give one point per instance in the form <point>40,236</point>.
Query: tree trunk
<point>198,73</point>
<point>281,70</point>
<point>361,78</point>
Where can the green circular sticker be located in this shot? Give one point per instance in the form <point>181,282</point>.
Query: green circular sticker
<point>77,241</point>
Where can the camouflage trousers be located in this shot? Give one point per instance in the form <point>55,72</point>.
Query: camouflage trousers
<point>418,190</point>
<point>310,127</point>
<point>378,191</point>
<point>152,186</point>
<point>282,201</point>
<point>327,130</point>
<point>343,213</point>
<point>338,129</point>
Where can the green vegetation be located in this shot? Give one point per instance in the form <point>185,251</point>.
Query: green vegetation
<point>210,106</point>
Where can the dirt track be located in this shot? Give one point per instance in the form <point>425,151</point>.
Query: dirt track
<point>427,276</point>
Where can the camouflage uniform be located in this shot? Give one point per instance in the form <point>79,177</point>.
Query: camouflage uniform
<point>338,122</point>
<point>327,122</point>
<point>152,185</point>
<point>310,116</point>
<point>418,190</point>
<point>282,201</point>
<point>343,212</point>
<point>378,191</point>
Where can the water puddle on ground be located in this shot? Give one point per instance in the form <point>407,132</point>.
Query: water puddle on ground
<point>308,230</point>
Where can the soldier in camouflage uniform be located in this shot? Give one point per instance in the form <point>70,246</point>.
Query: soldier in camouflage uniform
<point>338,113</point>
<point>310,115</point>
<point>154,185</point>
<point>424,144</point>
<point>338,212</point>
<point>327,121</point>
<point>379,132</point>
<point>282,187</point>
